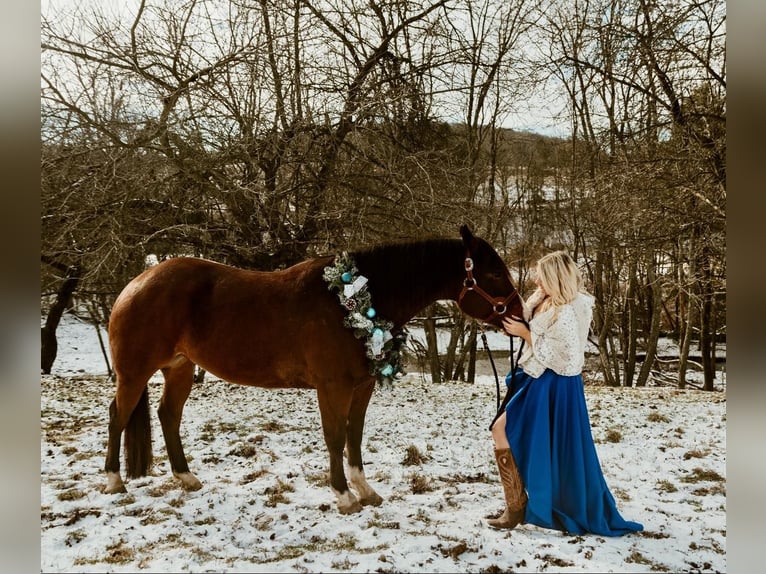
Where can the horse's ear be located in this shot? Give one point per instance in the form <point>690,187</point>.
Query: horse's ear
<point>468,238</point>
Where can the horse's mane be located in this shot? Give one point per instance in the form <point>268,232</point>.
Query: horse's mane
<point>408,273</point>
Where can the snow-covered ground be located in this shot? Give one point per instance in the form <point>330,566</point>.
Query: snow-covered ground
<point>265,505</point>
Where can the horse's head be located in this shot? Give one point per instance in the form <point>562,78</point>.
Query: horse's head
<point>488,293</point>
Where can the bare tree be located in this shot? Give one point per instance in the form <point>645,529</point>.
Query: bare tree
<point>645,152</point>
<point>262,132</point>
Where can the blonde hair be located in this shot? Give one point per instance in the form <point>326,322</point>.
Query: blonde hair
<point>560,278</point>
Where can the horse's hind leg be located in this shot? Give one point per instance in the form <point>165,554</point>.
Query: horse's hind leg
<point>130,397</point>
<point>333,407</point>
<point>178,383</point>
<point>354,432</point>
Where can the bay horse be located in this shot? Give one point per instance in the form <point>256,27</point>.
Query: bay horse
<point>279,329</point>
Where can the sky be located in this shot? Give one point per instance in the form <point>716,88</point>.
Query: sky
<point>265,505</point>
<point>535,111</point>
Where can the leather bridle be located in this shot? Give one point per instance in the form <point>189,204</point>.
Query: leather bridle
<point>499,304</point>
<point>499,308</point>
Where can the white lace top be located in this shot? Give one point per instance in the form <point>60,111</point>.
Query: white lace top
<point>558,336</point>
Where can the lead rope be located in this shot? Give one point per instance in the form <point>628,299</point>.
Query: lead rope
<point>492,362</point>
<point>512,386</point>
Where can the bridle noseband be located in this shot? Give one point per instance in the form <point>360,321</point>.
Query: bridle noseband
<point>499,305</point>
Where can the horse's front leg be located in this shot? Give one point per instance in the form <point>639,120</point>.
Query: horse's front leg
<point>334,407</point>
<point>354,433</point>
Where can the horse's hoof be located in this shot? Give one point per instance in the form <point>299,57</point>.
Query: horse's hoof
<point>351,508</point>
<point>188,481</point>
<point>373,499</point>
<point>347,502</point>
<point>114,484</point>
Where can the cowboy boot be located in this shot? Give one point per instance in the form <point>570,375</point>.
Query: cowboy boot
<point>513,487</point>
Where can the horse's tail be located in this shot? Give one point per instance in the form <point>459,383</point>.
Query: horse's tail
<point>138,439</point>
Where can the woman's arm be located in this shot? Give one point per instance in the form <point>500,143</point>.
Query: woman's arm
<point>553,344</point>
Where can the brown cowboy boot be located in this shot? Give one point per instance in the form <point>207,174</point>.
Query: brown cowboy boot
<point>513,487</point>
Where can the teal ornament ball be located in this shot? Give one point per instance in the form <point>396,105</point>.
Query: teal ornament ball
<point>387,371</point>
<point>371,313</point>
<point>346,277</point>
<point>377,333</point>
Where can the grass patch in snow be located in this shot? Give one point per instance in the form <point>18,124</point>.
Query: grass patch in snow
<point>655,417</point>
<point>276,494</point>
<point>701,475</point>
<point>413,456</point>
<point>419,483</point>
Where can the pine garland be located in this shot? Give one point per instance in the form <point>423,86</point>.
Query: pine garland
<point>383,348</point>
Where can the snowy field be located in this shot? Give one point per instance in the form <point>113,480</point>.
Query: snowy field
<point>266,506</point>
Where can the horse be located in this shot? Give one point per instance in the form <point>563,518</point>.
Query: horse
<point>280,329</point>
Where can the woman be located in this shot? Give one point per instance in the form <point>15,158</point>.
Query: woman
<point>543,439</point>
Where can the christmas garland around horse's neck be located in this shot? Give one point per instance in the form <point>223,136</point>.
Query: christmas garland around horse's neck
<point>382,346</point>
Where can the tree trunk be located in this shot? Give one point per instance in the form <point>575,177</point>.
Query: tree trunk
<point>455,337</point>
<point>655,312</point>
<point>48,341</point>
<point>706,345</point>
<point>432,347</point>
<point>687,328</point>
<point>685,345</point>
<point>603,322</point>
<point>471,378</point>
<point>714,337</point>
<point>95,318</point>
<point>707,335</point>
<point>631,306</point>
<point>468,350</point>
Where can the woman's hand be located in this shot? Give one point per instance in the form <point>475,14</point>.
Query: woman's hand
<point>514,326</point>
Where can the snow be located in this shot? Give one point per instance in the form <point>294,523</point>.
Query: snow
<point>266,506</point>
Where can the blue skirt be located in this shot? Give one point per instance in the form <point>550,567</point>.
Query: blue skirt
<point>548,428</point>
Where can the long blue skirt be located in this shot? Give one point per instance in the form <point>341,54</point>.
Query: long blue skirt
<point>549,431</point>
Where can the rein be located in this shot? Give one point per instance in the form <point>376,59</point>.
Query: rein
<point>499,308</point>
<point>512,386</point>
